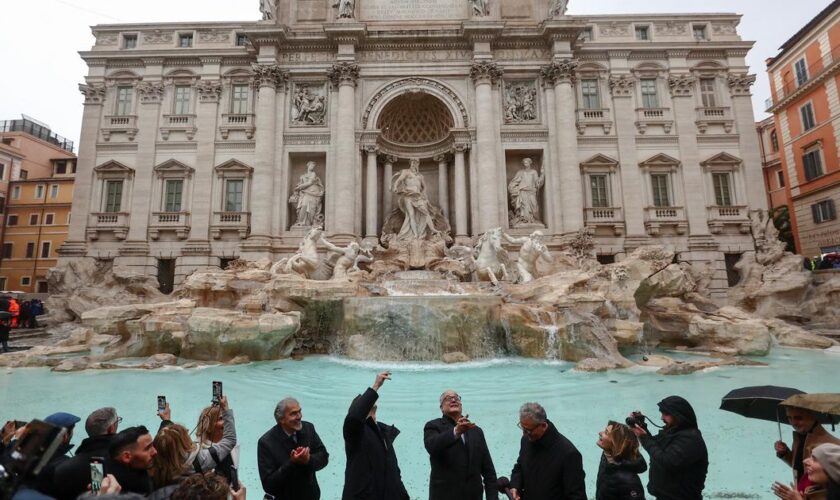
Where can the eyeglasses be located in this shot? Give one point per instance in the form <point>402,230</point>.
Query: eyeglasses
<point>453,399</point>
<point>528,431</point>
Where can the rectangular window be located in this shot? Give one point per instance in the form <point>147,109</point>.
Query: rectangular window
<point>642,33</point>
<point>723,193</point>
<point>39,191</point>
<point>7,250</point>
<point>25,280</point>
<point>61,167</point>
<point>699,32</point>
<point>16,193</point>
<point>46,246</point>
<point>586,35</point>
<point>806,112</point>
<point>182,100</point>
<point>54,191</point>
<point>823,211</point>
<point>812,161</point>
<point>774,141</point>
<point>233,195</point>
<point>707,92</point>
<point>12,221</point>
<point>30,249</point>
<point>24,174</point>
<point>239,99</point>
<point>241,40</point>
<point>2,204</point>
<point>2,283</point>
<point>33,219</point>
<point>129,41</point>
<point>650,97</point>
<point>49,219</point>
<point>801,72</point>
<point>43,287</point>
<point>781,177</point>
<point>172,195</point>
<point>659,186</point>
<point>600,195</point>
<point>185,40</point>
<point>591,97</point>
<point>113,196</point>
<point>124,98</point>
<point>2,171</point>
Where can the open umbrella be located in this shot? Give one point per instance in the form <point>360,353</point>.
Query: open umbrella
<point>761,402</point>
<point>825,405</point>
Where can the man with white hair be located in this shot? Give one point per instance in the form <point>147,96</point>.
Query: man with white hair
<point>458,454</point>
<point>289,455</point>
<point>549,466</point>
<point>73,476</point>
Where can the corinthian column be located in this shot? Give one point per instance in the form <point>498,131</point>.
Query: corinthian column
<point>460,191</point>
<point>486,74</point>
<point>372,200</point>
<point>443,184</point>
<point>270,79</point>
<point>562,74</point>
<point>344,75</point>
<point>632,203</point>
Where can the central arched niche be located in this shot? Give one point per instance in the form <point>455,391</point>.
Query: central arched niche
<point>415,119</point>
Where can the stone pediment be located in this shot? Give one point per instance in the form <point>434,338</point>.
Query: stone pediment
<point>173,166</point>
<point>234,167</point>
<point>599,160</point>
<point>722,159</point>
<point>660,160</point>
<point>114,167</point>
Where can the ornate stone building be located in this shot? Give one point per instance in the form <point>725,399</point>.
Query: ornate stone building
<point>205,142</point>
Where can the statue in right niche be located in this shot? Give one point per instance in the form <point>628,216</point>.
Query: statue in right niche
<point>307,197</point>
<point>523,191</point>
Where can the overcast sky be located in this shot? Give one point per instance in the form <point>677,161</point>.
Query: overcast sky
<point>40,40</point>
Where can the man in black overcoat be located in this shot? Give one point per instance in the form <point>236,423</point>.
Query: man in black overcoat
<point>549,466</point>
<point>372,471</point>
<point>458,454</point>
<point>289,455</point>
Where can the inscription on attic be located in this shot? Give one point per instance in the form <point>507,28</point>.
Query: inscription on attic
<point>410,10</point>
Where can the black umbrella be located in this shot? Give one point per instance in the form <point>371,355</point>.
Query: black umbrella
<point>761,402</point>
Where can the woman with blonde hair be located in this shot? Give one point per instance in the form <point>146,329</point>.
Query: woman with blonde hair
<point>172,462</point>
<point>621,464</point>
<point>216,443</point>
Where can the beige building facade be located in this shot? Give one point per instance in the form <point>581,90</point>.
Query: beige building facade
<point>209,141</point>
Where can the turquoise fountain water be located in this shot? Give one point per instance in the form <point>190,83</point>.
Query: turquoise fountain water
<point>743,464</point>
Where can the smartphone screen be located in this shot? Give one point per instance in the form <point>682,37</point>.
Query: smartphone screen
<point>97,474</point>
<point>161,404</point>
<point>217,392</point>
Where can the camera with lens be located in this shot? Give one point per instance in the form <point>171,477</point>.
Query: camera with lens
<point>30,454</point>
<point>636,418</point>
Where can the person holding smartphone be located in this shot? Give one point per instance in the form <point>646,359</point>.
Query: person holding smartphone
<point>74,475</point>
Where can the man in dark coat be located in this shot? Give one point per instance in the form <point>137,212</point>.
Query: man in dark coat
<point>290,454</point>
<point>549,466</point>
<point>678,456</point>
<point>458,454</point>
<point>372,471</point>
<point>73,476</point>
<point>130,458</point>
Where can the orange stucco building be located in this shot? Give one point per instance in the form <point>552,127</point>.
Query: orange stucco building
<point>804,81</point>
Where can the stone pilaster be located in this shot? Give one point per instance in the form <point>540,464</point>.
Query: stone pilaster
<point>553,204</point>
<point>343,76</point>
<point>371,193</point>
<point>270,80</point>
<point>485,75</point>
<point>201,211</point>
<point>75,244</point>
<point>387,195</point>
<point>562,74</point>
<point>739,87</point>
<point>682,92</point>
<point>461,230</point>
<point>148,121</point>
<point>443,184</point>
<point>632,201</point>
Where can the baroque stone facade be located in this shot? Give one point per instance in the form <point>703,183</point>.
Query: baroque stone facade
<point>195,136</point>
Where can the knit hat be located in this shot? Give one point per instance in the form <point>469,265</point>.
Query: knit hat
<point>828,455</point>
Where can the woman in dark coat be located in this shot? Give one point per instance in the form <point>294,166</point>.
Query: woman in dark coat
<point>621,464</point>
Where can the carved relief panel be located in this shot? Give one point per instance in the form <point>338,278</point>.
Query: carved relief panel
<point>308,104</point>
<point>520,103</point>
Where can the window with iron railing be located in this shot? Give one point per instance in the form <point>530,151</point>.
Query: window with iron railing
<point>650,97</point>
<point>723,194</point>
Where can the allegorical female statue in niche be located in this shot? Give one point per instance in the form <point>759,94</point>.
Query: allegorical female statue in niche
<point>307,198</point>
<point>410,189</point>
<point>523,190</point>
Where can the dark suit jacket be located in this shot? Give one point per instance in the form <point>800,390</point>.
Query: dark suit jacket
<point>279,476</point>
<point>549,469</point>
<point>372,471</point>
<point>458,467</point>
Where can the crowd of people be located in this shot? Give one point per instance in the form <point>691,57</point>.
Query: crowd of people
<point>18,314</point>
<point>177,464</point>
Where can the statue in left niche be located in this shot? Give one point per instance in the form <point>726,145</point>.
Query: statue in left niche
<point>307,197</point>
<point>268,9</point>
<point>305,261</point>
<point>345,8</point>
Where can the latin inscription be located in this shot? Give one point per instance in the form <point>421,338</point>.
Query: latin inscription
<point>408,10</point>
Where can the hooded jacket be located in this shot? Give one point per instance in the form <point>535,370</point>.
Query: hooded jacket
<point>548,469</point>
<point>372,471</point>
<point>679,459</point>
<point>620,480</point>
